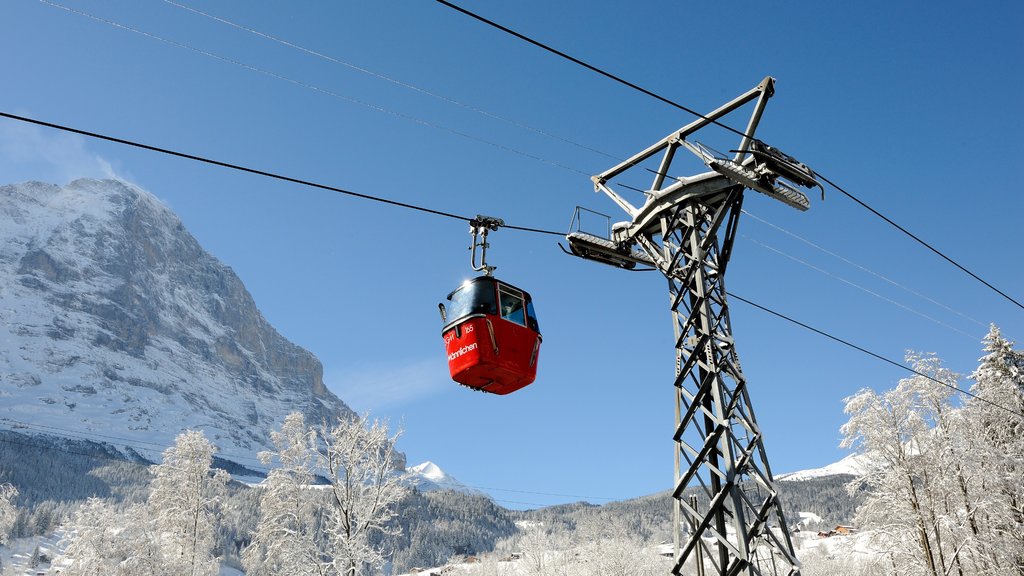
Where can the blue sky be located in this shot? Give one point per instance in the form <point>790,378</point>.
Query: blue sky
<point>912,106</point>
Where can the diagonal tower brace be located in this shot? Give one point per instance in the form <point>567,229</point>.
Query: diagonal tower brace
<point>686,229</point>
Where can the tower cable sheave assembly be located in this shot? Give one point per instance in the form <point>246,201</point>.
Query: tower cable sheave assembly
<point>686,229</point>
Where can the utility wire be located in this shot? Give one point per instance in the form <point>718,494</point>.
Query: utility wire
<point>729,128</point>
<point>100,456</point>
<point>919,240</point>
<point>69,434</point>
<point>863,268</point>
<point>490,143</point>
<point>425,210</point>
<point>8,440</point>
<point>590,67</point>
<point>469,136</point>
<point>314,87</point>
<point>859,287</point>
<point>878,356</point>
<point>256,171</point>
<point>132,443</point>
<point>392,80</point>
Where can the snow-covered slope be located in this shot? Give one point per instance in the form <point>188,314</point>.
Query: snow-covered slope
<point>854,464</point>
<point>114,321</point>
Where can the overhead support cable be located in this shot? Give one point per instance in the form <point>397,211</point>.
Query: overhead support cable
<point>874,355</point>
<point>490,143</point>
<point>688,110</point>
<point>20,427</point>
<point>920,241</point>
<point>864,268</point>
<point>838,278</point>
<point>423,209</point>
<point>256,171</point>
<point>590,67</point>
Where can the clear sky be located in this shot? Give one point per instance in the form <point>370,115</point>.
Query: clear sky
<point>915,107</point>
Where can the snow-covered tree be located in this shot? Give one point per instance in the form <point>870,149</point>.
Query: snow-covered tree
<point>92,548</point>
<point>359,458</point>
<point>183,499</point>
<point>139,548</point>
<point>8,513</point>
<point>542,550</point>
<point>171,534</point>
<point>285,540</point>
<point>607,548</point>
<point>994,430</point>
<point>946,492</point>
<point>896,429</point>
<point>337,530</point>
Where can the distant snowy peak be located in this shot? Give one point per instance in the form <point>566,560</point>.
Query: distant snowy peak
<point>430,471</point>
<point>429,477</point>
<point>854,465</point>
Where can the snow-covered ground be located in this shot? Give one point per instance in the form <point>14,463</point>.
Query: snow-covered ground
<point>16,556</point>
<point>819,555</point>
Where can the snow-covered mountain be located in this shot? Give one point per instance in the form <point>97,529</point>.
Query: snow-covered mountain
<point>115,322</point>
<point>428,477</point>
<point>854,465</point>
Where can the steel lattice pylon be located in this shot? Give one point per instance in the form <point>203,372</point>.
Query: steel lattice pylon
<point>717,436</point>
<point>727,512</point>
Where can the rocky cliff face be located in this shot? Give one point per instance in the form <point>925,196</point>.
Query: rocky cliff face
<point>113,319</point>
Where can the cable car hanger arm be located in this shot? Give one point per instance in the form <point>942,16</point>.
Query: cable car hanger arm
<point>479,227</point>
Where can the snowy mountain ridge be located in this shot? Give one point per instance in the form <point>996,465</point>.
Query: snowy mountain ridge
<point>854,465</point>
<point>115,323</point>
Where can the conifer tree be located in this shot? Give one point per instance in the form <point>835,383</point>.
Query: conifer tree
<point>995,432</point>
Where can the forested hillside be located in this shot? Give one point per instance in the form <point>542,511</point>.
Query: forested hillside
<point>55,476</point>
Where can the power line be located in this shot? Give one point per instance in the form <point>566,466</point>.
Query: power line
<point>472,137</point>
<point>6,439</point>
<point>859,287</point>
<point>919,240</point>
<point>314,87</point>
<point>731,129</point>
<point>392,80</point>
<point>590,67</point>
<point>863,268</point>
<point>870,353</point>
<point>136,445</point>
<point>256,171</point>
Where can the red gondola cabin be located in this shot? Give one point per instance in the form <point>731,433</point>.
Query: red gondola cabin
<point>491,336</point>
